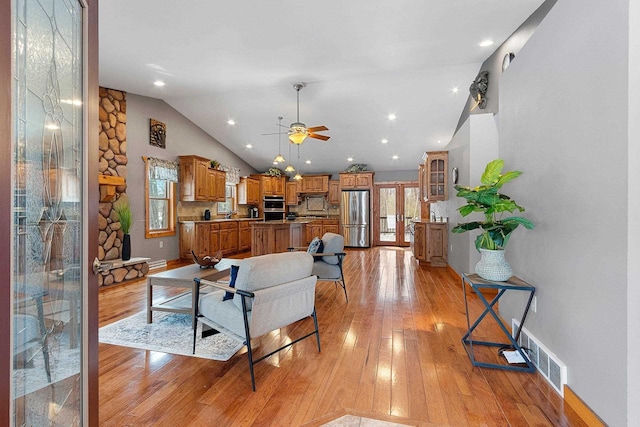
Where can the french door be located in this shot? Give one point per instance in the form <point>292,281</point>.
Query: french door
<point>396,205</point>
<point>46,309</point>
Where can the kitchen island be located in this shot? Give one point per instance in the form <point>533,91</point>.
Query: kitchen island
<point>269,237</point>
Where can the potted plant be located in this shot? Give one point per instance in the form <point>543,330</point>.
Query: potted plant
<point>496,229</point>
<point>123,210</point>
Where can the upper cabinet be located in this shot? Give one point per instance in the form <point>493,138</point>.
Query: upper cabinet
<point>361,180</point>
<point>334,192</point>
<point>200,183</point>
<point>249,191</point>
<point>314,184</point>
<point>291,197</point>
<point>270,185</point>
<point>437,164</point>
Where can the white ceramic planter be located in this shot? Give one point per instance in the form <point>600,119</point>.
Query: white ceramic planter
<point>493,266</point>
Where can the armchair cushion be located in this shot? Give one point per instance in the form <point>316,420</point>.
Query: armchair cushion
<point>269,270</point>
<point>326,271</point>
<point>332,243</point>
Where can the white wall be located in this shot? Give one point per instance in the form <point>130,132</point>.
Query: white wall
<point>633,255</point>
<point>183,138</point>
<point>563,121</point>
<point>472,147</point>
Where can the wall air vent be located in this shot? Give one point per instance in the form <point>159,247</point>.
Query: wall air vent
<point>548,364</point>
<point>157,264</point>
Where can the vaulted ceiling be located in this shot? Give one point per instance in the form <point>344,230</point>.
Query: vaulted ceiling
<point>361,60</point>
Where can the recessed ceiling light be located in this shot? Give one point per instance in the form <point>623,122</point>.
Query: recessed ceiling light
<point>231,122</point>
<point>439,141</point>
<point>395,157</point>
<point>485,43</point>
<point>350,159</point>
<point>249,146</point>
<point>308,162</point>
<point>454,89</point>
<point>384,141</point>
<point>275,163</point>
<point>392,116</point>
<point>159,83</point>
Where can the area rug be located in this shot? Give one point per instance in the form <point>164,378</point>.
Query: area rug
<point>169,333</point>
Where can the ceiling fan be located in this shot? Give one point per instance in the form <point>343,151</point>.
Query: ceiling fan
<point>299,131</point>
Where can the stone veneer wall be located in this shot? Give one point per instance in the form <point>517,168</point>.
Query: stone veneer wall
<point>112,161</point>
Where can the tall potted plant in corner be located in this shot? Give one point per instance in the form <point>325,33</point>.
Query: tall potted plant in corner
<point>123,210</point>
<point>496,229</point>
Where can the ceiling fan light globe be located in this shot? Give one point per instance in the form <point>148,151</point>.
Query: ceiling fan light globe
<point>297,137</point>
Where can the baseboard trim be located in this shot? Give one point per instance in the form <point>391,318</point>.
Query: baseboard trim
<point>581,408</point>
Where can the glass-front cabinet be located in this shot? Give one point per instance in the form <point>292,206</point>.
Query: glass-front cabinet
<point>437,164</point>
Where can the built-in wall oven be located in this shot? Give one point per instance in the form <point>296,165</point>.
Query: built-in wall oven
<point>273,207</point>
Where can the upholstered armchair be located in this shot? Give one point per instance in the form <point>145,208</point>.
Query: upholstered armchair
<point>271,292</point>
<point>328,261</point>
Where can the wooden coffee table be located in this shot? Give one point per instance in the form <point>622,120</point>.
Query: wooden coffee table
<point>182,278</point>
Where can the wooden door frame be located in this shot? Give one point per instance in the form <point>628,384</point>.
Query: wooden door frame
<point>399,186</point>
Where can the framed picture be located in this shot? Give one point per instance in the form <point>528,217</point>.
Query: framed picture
<point>157,133</point>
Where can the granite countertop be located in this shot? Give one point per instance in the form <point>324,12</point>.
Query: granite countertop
<point>196,219</point>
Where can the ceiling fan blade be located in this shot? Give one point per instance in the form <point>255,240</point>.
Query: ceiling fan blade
<point>317,129</point>
<point>316,136</point>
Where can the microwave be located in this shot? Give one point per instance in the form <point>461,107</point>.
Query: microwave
<point>273,204</point>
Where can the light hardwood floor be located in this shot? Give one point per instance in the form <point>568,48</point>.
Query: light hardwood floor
<point>392,353</point>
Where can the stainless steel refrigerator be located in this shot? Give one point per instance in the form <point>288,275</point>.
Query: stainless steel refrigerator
<point>354,218</point>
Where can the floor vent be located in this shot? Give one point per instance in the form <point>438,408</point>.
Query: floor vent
<point>548,364</point>
<point>161,263</point>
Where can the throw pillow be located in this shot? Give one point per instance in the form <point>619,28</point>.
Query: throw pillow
<point>232,282</point>
<point>315,246</point>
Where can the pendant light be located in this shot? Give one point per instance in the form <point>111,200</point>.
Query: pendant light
<point>279,158</point>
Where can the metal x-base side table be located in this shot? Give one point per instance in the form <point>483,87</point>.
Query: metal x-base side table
<point>514,284</point>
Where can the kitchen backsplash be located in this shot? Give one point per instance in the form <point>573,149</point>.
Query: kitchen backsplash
<point>196,209</point>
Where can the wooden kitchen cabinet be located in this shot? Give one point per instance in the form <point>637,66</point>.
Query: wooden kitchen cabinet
<point>214,238</point>
<point>291,197</point>
<point>244,235</point>
<point>187,233</point>
<point>420,241</point>
<point>269,238</point>
<point>270,185</point>
<point>216,182</point>
<point>437,244</point>
<point>318,184</point>
<point>201,244</point>
<point>437,165</point>
<point>334,192</point>
<point>430,242</point>
<point>194,176</point>
<point>249,191</point>
<point>330,226</point>
<point>229,237</point>
<point>313,229</point>
<point>357,181</point>
<point>199,182</point>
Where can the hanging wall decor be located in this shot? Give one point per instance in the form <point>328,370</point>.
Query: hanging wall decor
<point>157,133</point>
<point>478,90</point>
